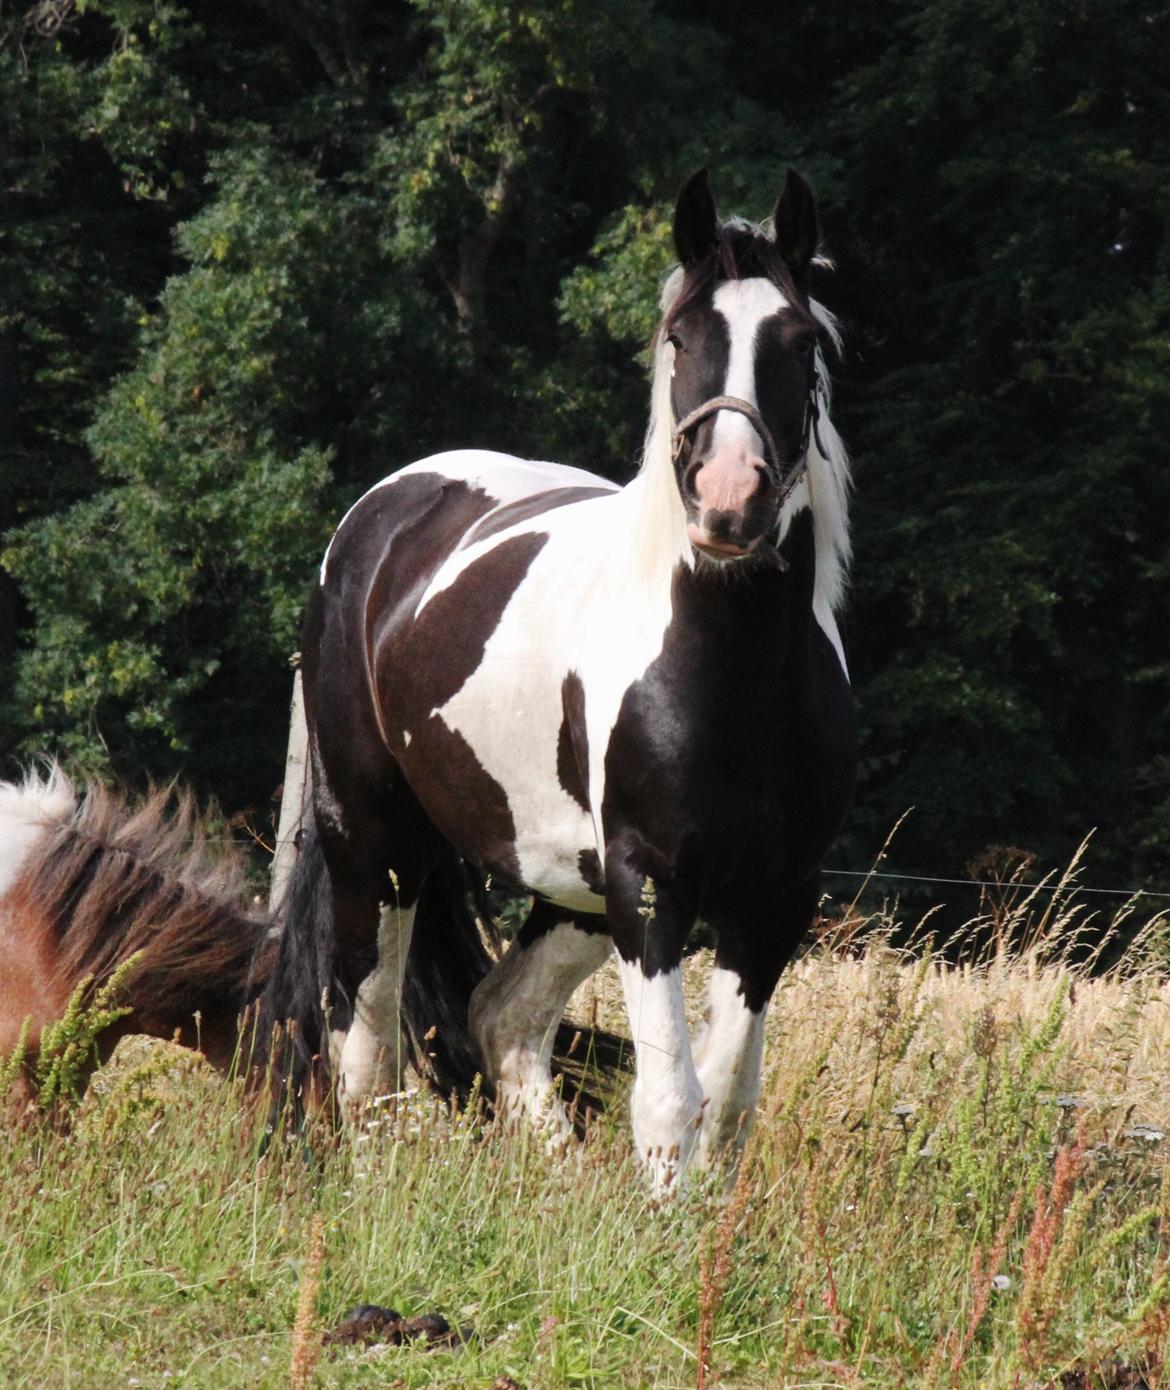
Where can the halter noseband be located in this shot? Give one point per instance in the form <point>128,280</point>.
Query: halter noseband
<point>785,481</point>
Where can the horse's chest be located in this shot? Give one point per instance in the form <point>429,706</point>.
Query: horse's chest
<point>734,769</point>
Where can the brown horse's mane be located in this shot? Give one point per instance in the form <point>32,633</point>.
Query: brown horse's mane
<point>112,878</point>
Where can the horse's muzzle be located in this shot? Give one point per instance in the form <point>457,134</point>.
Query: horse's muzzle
<point>732,503</point>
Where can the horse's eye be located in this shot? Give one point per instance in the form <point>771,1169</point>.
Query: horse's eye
<point>675,341</point>
<point>804,348</point>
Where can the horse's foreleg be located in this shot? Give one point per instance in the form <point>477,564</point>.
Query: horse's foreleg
<point>516,1009</point>
<point>730,1053</point>
<point>752,952</point>
<point>649,932</point>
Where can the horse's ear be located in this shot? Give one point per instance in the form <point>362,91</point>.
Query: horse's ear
<point>797,230</point>
<point>695,228</point>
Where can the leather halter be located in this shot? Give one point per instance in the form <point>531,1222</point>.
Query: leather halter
<point>785,481</point>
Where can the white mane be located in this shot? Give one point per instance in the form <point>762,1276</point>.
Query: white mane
<point>28,808</point>
<point>662,529</point>
<point>825,489</point>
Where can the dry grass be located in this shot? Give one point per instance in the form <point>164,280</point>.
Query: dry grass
<point>958,1178</point>
<point>917,1016</point>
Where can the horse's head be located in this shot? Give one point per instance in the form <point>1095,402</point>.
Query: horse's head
<point>744,378</point>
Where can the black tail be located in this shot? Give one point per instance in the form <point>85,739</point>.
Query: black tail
<point>299,981</point>
<point>449,955</point>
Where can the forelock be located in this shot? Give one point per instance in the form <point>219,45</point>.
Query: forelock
<point>743,251</point>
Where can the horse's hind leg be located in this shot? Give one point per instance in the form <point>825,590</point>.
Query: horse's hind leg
<point>370,1061</point>
<point>378,855</point>
<point>516,1009</point>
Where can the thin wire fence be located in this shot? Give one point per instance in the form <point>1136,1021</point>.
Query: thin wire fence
<point>1063,887</point>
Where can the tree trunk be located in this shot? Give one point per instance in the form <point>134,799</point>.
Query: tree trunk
<point>468,283</point>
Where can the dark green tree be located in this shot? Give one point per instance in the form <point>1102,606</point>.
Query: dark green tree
<point>257,256</point>
<point>1004,220</point>
<point>374,214</point>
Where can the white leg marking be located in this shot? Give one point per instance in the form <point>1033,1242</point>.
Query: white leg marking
<point>730,1052</point>
<point>667,1102</point>
<point>371,1056</point>
<point>514,1016</point>
<point>336,1041</point>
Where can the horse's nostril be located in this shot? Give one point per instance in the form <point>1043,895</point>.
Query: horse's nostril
<point>690,488</point>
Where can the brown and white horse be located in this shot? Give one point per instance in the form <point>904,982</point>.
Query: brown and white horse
<point>88,880</point>
<point>629,703</point>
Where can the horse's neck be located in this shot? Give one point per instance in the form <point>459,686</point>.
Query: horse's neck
<point>201,1008</point>
<point>647,556</point>
<point>193,948</point>
<point>765,603</point>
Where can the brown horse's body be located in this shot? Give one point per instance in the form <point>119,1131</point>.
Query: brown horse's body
<point>88,882</point>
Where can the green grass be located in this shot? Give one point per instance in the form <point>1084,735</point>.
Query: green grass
<point>922,1130</point>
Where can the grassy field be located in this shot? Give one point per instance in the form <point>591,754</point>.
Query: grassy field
<point>958,1178</point>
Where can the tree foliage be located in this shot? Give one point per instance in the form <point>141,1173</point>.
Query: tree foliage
<point>1011,618</point>
<point>257,256</point>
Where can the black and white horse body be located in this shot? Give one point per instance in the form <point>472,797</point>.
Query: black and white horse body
<point>629,702</point>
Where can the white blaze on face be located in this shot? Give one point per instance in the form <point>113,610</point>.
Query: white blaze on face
<point>744,304</point>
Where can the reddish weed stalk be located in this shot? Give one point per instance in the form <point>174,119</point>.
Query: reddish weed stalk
<point>306,1335</point>
<point>1045,1252</point>
<point>715,1266</point>
<point>984,1269</point>
<point>829,1299</point>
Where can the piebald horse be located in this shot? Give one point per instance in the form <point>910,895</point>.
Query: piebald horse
<point>629,703</point>
<point>87,881</point>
